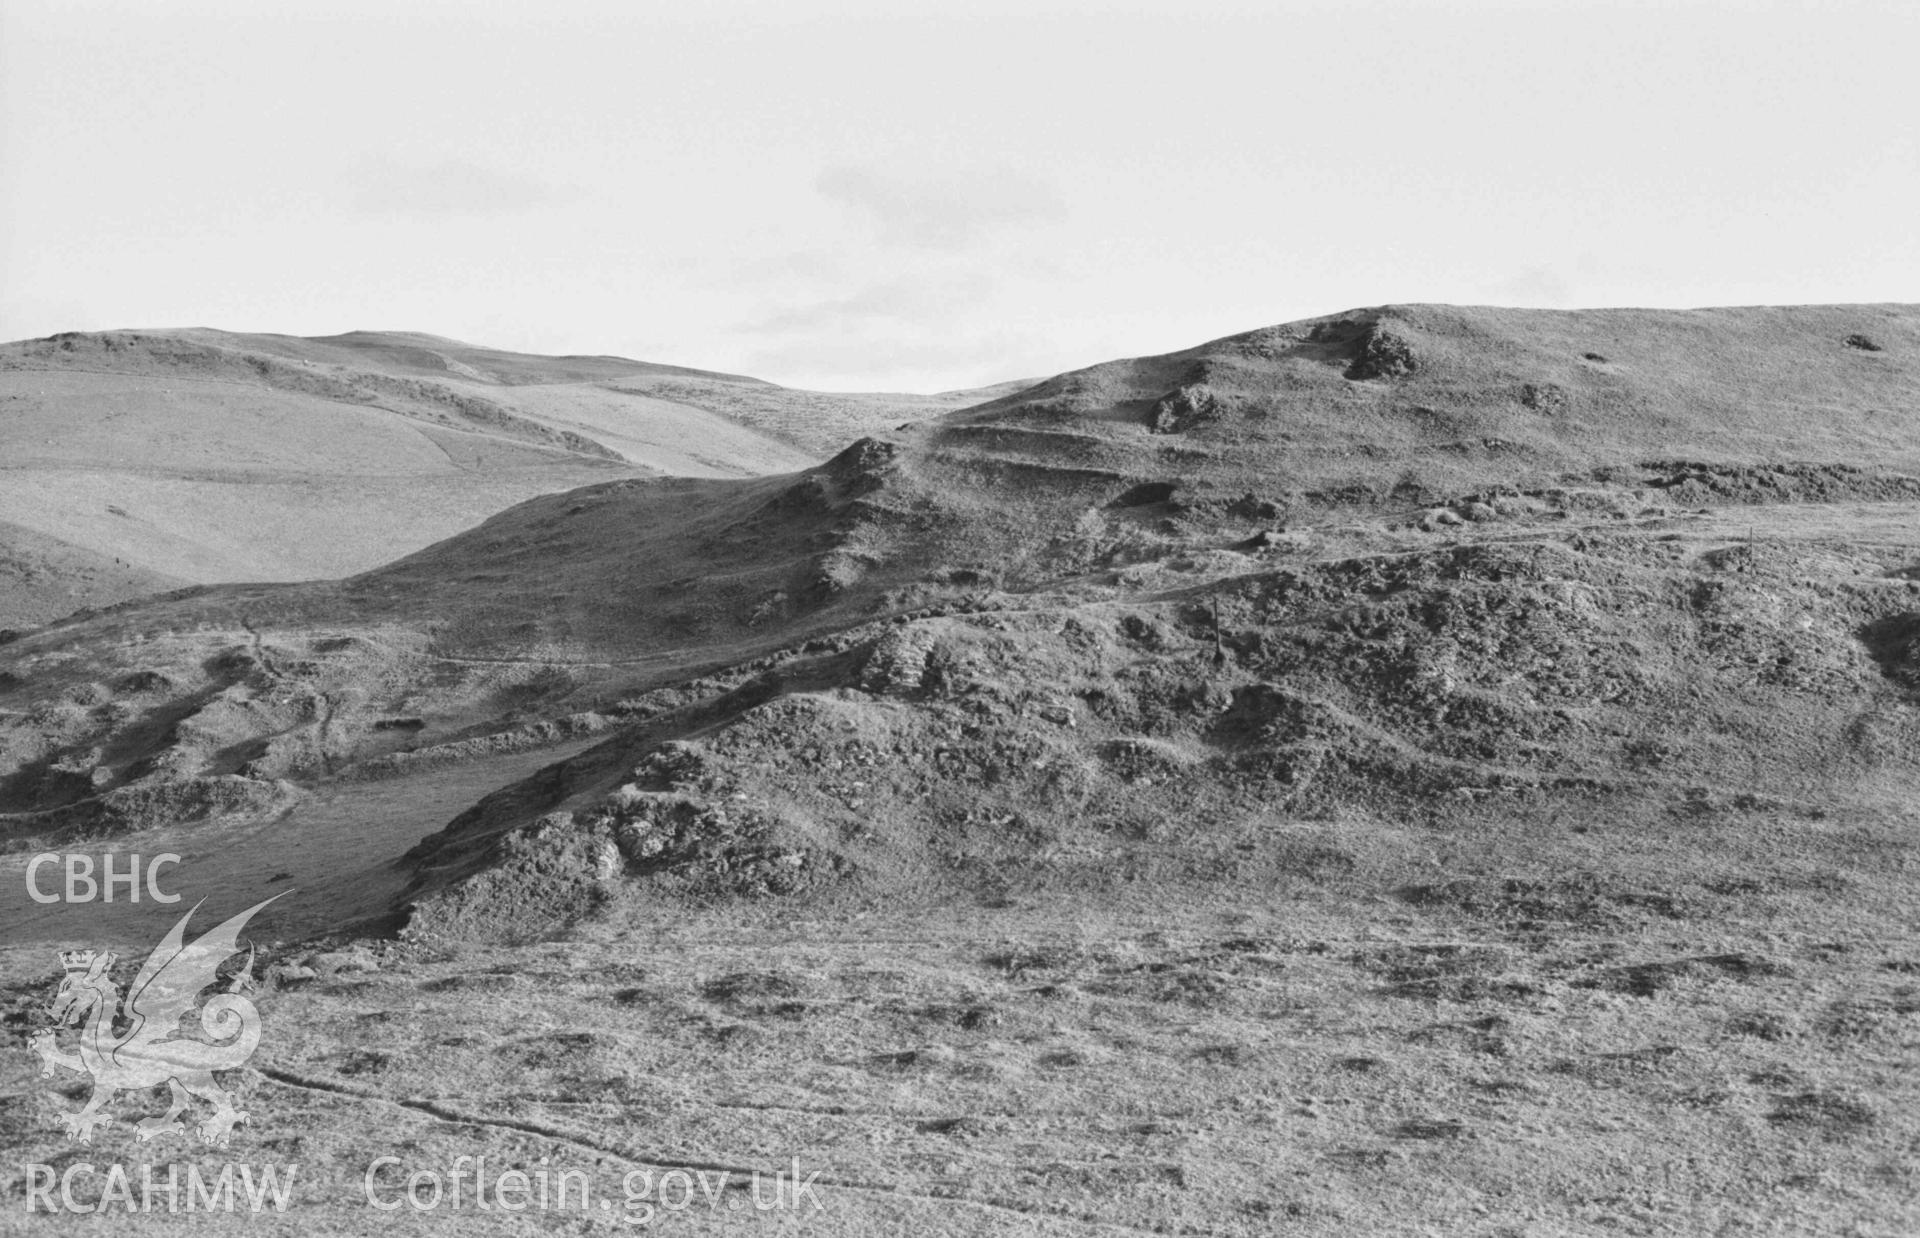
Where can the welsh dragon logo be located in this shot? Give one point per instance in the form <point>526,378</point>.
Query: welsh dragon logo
<point>151,1050</point>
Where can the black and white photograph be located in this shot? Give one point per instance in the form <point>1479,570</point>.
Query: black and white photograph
<point>1196,618</point>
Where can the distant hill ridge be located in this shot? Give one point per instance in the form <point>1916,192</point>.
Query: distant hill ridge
<point>141,458</point>
<point>418,354</point>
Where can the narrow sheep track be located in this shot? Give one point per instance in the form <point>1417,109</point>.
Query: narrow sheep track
<point>736,1174</point>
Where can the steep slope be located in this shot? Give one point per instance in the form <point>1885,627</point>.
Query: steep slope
<point>1439,554</point>
<point>576,400</point>
<point>209,479</point>
<point>44,578</point>
<point>204,456</point>
<point>658,415</point>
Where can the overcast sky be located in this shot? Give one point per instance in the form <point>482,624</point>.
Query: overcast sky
<point>876,196</point>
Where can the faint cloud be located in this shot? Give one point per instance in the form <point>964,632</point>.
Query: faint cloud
<point>923,300</point>
<point>815,265</point>
<point>449,187</point>
<point>949,211</point>
<point>1533,286</point>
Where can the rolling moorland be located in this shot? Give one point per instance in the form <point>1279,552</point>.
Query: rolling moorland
<point>140,461</point>
<point>1419,770</point>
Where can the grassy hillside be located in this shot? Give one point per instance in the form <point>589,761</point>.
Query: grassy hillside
<point>1414,430</point>
<point>204,456</point>
<point>1423,766</point>
<point>44,578</point>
